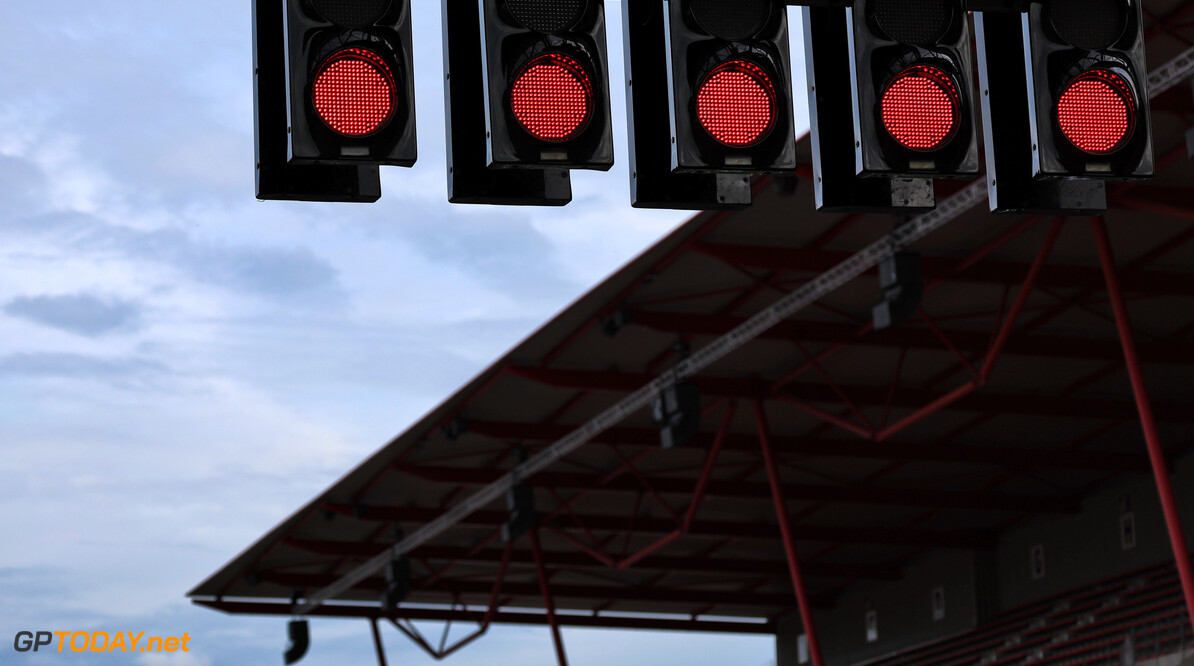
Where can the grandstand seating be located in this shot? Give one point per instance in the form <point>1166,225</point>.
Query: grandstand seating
<point>1142,611</point>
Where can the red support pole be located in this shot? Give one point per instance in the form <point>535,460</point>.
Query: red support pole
<point>646,484</point>
<point>781,515</point>
<point>827,417</point>
<point>1151,437</point>
<point>603,558</point>
<point>698,495</point>
<point>948,344</point>
<point>548,604</point>
<point>927,411</point>
<point>833,386</point>
<point>381,653</point>
<point>1021,298</point>
<point>634,559</point>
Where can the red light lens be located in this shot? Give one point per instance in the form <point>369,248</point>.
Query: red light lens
<point>1096,112</point>
<point>736,103</point>
<point>921,108</point>
<point>552,98</point>
<point>354,92</point>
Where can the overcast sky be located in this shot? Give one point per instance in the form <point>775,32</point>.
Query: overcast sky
<point>182,367</point>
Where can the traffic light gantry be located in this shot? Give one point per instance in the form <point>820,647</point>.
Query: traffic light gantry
<point>893,103</point>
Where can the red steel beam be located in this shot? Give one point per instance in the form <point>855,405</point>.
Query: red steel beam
<point>745,388</point>
<point>372,611</point>
<point>573,560</point>
<point>1169,21</point>
<point>989,271</point>
<point>1020,457</point>
<point>698,494</point>
<point>481,589</point>
<point>753,490</point>
<point>1148,423</point>
<point>548,602</point>
<point>1032,279</point>
<point>785,528</point>
<point>1174,203</point>
<point>996,351</point>
<point>700,529</point>
<point>912,337</point>
<point>381,651</point>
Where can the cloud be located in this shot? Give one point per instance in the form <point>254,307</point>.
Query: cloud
<point>264,270</point>
<point>257,268</point>
<point>82,314</point>
<point>173,659</point>
<point>22,185</point>
<point>288,340</point>
<point>79,366</point>
<point>503,250</point>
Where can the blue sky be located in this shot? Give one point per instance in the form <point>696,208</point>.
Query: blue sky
<point>181,366</point>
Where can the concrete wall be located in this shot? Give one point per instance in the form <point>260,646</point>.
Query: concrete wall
<point>1079,550</point>
<point>1083,549</point>
<point>903,611</point>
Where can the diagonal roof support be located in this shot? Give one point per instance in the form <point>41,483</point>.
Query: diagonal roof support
<point>909,337</point>
<point>984,402</point>
<point>760,491</point>
<point>707,529</point>
<point>1009,456</point>
<point>804,261</point>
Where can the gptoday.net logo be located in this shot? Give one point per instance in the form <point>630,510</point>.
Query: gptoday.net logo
<point>98,641</point>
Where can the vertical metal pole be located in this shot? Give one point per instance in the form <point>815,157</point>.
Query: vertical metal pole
<point>381,653</point>
<point>1155,452</point>
<point>547,602</point>
<point>781,515</point>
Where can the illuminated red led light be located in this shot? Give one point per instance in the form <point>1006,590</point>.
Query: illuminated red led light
<point>552,98</point>
<point>354,92</point>
<point>1096,112</point>
<point>736,103</point>
<point>921,108</point>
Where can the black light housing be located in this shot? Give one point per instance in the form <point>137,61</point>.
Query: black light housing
<point>677,413</point>
<point>834,135</point>
<point>520,502</point>
<point>398,584</point>
<point>468,128</point>
<point>653,183</point>
<point>350,82</point>
<point>902,284</point>
<point>730,85</point>
<point>912,86</point>
<point>277,178</point>
<point>1088,97</point>
<point>1009,119</point>
<point>546,84</point>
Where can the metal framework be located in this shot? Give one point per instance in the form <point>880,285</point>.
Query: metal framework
<point>860,437</point>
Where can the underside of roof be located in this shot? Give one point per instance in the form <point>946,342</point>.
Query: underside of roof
<point>1003,398</point>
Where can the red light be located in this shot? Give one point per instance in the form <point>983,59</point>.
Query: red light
<point>354,92</point>
<point>1096,112</point>
<point>736,103</point>
<point>921,108</point>
<point>552,98</point>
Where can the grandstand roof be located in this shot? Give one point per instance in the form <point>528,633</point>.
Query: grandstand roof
<point>884,452</point>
